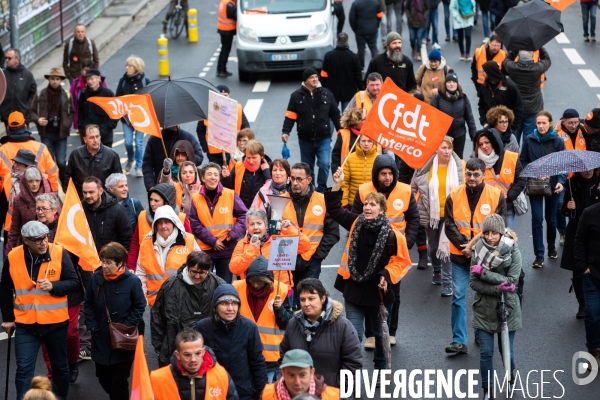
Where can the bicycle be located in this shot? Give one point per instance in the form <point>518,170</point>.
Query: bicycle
<point>177,21</point>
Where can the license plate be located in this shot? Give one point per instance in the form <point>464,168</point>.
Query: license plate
<point>284,57</point>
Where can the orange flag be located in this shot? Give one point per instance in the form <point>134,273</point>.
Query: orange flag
<point>410,128</point>
<point>73,231</point>
<point>560,5</point>
<point>141,388</point>
<point>138,107</point>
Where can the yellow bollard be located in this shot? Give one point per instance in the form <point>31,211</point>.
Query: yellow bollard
<point>163,56</point>
<point>192,25</point>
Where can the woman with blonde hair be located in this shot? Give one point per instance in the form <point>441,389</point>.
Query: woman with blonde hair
<point>41,389</point>
<point>351,122</point>
<point>358,168</point>
<point>133,80</point>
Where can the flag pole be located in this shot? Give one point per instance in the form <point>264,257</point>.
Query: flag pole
<point>350,152</point>
<point>164,148</point>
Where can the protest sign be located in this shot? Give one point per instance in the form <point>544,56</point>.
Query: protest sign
<point>221,131</point>
<point>284,250</point>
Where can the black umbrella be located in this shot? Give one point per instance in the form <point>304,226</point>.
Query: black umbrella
<point>177,101</point>
<point>529,26</point>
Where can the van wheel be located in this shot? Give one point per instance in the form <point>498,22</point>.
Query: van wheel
<point>246,76</point>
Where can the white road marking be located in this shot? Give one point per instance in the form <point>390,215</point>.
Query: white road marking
<point>598,96</point>
<point>210,64</point>
<point>213,58</point>
<point>205,69</point>
<point>216,54</point>
<point>574,56</point>
<point>4,336</point>
<point>590,77</point>
<point>124,159</point>
<point>252,108</point>
<point>261,86</point>
<point>202,74</point>
<point>118,143</point>
<point>234,59</point>
<point>562,38</point>
<point>337,265</point>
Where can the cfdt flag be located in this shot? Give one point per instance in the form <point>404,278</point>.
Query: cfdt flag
<point>141,387</point>
<point>560,5</point>
<point>138,108</point>
<point>410,128</point>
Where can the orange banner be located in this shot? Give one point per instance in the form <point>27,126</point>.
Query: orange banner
<point>141,387</point>
<point>561,5</point>
<point>73,231</point>
<point>138,107</point>
<point>410,128</point>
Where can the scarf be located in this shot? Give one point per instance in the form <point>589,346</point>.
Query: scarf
<point>257,299</point>
<point>114,276</point>
<point>434,196</point>
<point>162,246</point>
<point>489,160</point>
<point>53,101</point>
<point>279,188</point>
<point>283,394</point>
<point>492,257</point>
<point>308,327</point>
<point>15,177</point>
<point>544,138</point>
<point>263,238</point>
<point>380,222</point>
<point>452,96</point>
<point>443,252</point>
<point>238,156</point>
<point>250,167</point>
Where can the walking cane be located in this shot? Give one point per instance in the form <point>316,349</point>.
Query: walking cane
<point>7,365</point>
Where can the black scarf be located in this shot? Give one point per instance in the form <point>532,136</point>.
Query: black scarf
<point>53,101</point>
<point>380,222</point>
<point>278,188</point>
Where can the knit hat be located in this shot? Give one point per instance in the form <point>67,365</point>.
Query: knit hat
<point>16,119</point>
<point>593,118</point>
<point>494,223</point>
<point>570,113</point>
<point>525,55</point>
<point>391,37</point>
<point>451,76</point>
<point>492,70</point>
<point>308,72</point>
<point>435,55</point>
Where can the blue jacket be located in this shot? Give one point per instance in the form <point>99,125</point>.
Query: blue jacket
<point>532,150</point>
<point>134,207</point>
<point>126,305</point>
<point>238,348</point>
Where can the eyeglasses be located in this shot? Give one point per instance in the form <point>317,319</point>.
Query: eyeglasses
<point>503,122</point>
<point>473,174</point>
<point>42,209</point>
<point>294,179</point>
<point>202,272</point>
<point>39,241</point>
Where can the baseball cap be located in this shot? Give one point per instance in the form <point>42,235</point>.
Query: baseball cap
<point>297,358</point>
<point>223,89</point>
<point>16,119</point>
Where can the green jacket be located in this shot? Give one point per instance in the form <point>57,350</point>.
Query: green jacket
<point>487,297</point>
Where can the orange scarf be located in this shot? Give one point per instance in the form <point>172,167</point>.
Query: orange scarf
<point>114,276</point>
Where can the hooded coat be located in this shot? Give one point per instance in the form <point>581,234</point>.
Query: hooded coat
<point>334,345</point>
<point>182,146</point>
<point>429,79</point>
<point>179,304</point>
<point>187,190</point>
<point>459,109</point>
<point>237,346</point>
<point>109,222</point>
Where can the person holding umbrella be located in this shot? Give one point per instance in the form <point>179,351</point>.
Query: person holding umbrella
<point>495,268</point>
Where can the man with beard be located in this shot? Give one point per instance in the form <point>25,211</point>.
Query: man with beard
<point>394,64</point>
<point>498,90</point>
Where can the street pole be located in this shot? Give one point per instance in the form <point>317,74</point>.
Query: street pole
<point>14,26</point>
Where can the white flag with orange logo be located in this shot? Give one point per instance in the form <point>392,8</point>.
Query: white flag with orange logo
<point>73,231</point>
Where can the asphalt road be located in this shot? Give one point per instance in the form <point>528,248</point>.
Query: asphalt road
<point>550,335</point>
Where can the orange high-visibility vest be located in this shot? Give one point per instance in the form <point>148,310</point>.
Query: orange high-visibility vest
<point>45,162</point>
<point>144,227</point>
<point>536,57</point>
<point>221,222</point>
<point>270,334</point>
<point>155,274</point>
<point>363,101</point>
<point>314,221</point>
<point>33,305</point>
<point>345,134</point>
<point>7,188</point>
<point>395,276</point>
<point>579,143</point>
<point>178,194</point>
<point>397,202</point>
<point>481,58</point>
<point>216,150</point>
<point>506,177</point>
<point>165,388</point>
<point>468,224</point>
<point>240,170</point>
<point>330,392</point>
<point>224,23</point>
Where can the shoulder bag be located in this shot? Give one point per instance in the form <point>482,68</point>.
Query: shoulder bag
<point>122,337</point>
<point>539,187</point>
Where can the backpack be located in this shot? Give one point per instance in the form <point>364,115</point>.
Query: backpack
<point>417,11</point>
<point>90,47</point>
<point>465,8</point>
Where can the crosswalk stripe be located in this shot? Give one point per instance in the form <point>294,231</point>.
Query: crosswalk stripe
<point>574,56</point>
<point>590,77</point>
<point>261,86</point>
<point>252,108</point>
<point>561,38</point>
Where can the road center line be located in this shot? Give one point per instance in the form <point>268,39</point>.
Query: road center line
<point>252,108</point>
<point>574,56</point>
<point>562,38</point>
<point>261,86</point>
<point>590,77</point>
<point>337,265</point>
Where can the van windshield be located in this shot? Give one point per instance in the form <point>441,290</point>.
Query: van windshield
<point>281,6</point>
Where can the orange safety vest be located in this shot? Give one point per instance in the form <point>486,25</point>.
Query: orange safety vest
<point>579,143</point>
<point>330,392</point>
<point>481,58</point>
<point>33,305</point>
<point>363,101</point>
<point>397,202</point>
<point>144,227</point>
<point>344,271</point>
<point>240,170</point>
<point>468,224</point>
<point>155,274</point>
<point>165,388</point>
<point>270,334</point>
<point>221,222</point>
<point>7,189</point>
<point>224,23</point>
<point>314,221</point>
<point>345,134</point>
<point>536,57</point>
<point>216,150</point>
<point>45,162</point>
<point>506,177</point>
<point>178,195</point>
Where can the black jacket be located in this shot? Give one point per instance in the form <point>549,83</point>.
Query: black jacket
<point>154,154</point>
<point>341,73</point>
<point>455,237</point>
<point>459,109</point>
<point>334,346</point>
<point>251,183</point>
<point>83,164</point>
<point>179,305</point>
<point>313,113</point>
<point>126,303</point>
<point>532,149</point>
<point>109,222</point>
<point>402,73</point>
<point>90,113</point>
<point>504,93</point>
<point>587,243</point>
<point>411,215</point>
<point>365,16</point>
<point>527,78</point>
<point>131,84</point>
<point>20,89</point>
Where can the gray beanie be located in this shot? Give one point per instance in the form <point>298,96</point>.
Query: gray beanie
<point>494,223</point>
<point>391,37</point>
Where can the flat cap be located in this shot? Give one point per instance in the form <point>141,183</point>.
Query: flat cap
<point>34,230</point>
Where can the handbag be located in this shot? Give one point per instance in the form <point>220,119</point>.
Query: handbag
<point>122,337</point>
<point>538,187</point>
<point>520,204</point>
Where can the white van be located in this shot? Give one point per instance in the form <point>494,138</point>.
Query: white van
<point>283,35</point>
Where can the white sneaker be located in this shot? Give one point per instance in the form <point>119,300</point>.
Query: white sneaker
<point>139,173</point>
<point>370,343</point>
<point>436,46</point>
<point>486,39</point>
